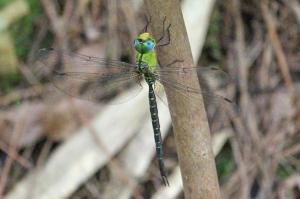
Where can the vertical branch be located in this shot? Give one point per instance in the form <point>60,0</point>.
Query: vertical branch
<point>277,47</point>
<point>192,134</point>
<point>7,167</point>
<point>247,106</point>
<point>57,23</point>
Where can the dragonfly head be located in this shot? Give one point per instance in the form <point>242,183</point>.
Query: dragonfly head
<point>144,43</point>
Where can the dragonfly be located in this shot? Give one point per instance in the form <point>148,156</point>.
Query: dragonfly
<point>104,75</point>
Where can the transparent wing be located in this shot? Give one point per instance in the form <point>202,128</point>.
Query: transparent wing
<point>207,73</point>
<point>85,77</point>
<point>208,77</point>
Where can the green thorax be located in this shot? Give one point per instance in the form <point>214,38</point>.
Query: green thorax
<point>145,48</point>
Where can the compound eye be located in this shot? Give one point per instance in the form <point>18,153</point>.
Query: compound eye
<point>137,41</point>
<point>150,44</point>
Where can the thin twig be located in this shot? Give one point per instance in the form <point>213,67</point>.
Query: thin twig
<point>58,23</point>
<point>15,156</point>
<point>275,41</point>
<point>13,145</point>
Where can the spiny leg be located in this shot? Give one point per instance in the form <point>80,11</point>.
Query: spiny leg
<point>157,134</point>
<point>167,42</point>
<point>164,34</point>
<point>174,62</point>
<point>148,21</point>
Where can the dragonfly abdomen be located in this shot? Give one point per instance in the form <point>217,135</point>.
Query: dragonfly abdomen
<point>157,133</point>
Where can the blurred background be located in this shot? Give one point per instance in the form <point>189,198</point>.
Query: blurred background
<point>55,146</point>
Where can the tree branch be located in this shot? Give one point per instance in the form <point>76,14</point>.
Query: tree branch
<point>190,124</point>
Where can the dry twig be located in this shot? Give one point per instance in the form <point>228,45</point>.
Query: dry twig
<point>275,41</point>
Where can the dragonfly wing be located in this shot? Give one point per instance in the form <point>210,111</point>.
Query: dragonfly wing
<point>82,76</point>
<point>210,78</point>
<point>190,92</point>
<point>160,93</point>
<point>212,75</point>
<point>214,103</point>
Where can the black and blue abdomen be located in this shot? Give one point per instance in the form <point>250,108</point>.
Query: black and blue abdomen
<point>157,133</point>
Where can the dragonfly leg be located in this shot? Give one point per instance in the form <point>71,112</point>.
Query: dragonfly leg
<point>170,64</point>
<point>174,62</point>
<point>148,21</point>
<point>164,34</point>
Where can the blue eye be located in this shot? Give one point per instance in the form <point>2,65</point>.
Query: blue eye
<point>150,44</point>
